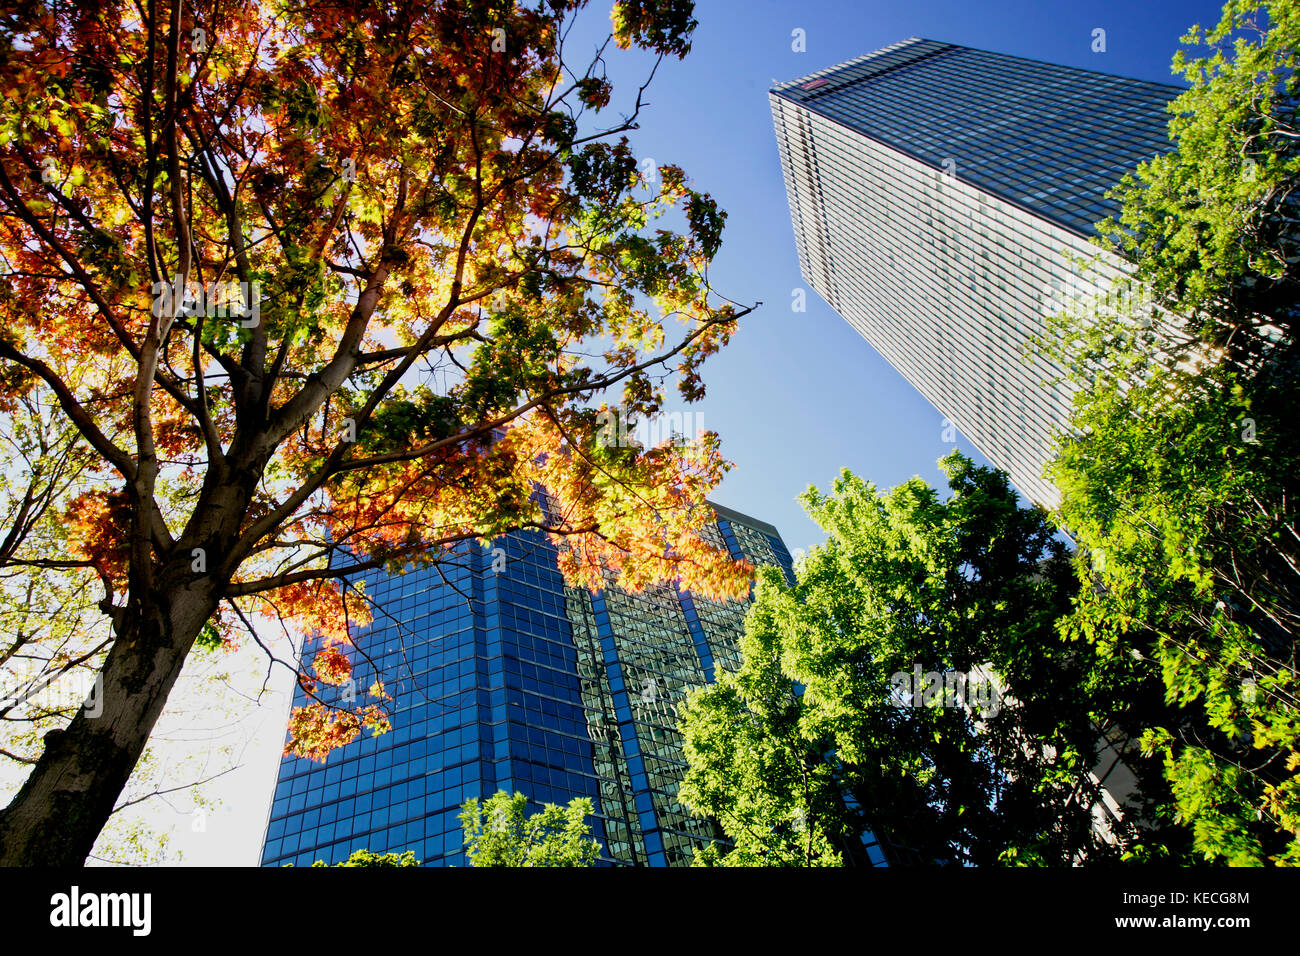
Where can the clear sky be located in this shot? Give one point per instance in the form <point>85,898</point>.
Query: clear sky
<point>796,396</point>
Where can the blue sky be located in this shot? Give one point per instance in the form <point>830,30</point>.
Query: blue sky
<point>798,396</point>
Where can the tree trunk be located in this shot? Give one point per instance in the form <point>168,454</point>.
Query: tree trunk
<point>57,815</point>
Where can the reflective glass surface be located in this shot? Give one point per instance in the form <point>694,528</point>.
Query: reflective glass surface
<point>503,678</point>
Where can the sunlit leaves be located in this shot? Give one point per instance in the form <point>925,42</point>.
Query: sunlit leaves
<point>808,746</point>
<point>1220,206</point>
<point>316,730</point>
<point>662,25</point>
<point>499,831</point>
<point>376,860</point>
<point>1178,475</point>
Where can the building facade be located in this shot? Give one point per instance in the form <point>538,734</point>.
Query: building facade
<point>943,199</point>
<point>505,679</point>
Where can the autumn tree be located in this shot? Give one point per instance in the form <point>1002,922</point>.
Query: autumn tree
<point>1179,470</point>
<point>54,640</point>
<point>912,685</point>
<point>324,287</point>
<point>499,831</point>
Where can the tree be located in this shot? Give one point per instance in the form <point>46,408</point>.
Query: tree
<point>1178,471</point>
<point>826,732</point>
<point>329,287</point>
<point>499,832</point>
<point>54,642</point>
<point>1211,225</point>
<point>377,860</point>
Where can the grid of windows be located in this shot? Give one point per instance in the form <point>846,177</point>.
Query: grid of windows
<point>1051,138</point>
<point>942,199</point>
<point>400,790</point>
<point>503,678</point>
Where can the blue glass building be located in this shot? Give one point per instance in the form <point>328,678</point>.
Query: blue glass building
<point>504,679</point>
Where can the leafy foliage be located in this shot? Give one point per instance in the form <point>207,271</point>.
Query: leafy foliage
<point>377,860</point>
<point>813,742</point>
<point>1179,470</point>
<point>500,832</point>
<point>1211,225</point>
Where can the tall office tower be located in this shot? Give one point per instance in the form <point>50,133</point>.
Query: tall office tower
<point>503,678</point>
<point>942,198</point>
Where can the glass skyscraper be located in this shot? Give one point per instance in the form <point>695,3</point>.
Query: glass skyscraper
<point>942,199</point>
<point>503,678</point>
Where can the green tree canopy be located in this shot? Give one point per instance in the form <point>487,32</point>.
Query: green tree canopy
<point>378,860</point>
<point>499,831</point>
<point>1178,472</point>
<point>824,733</point>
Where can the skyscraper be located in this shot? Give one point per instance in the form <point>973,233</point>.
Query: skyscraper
<point>942,199</point>
<point>503,678</point>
